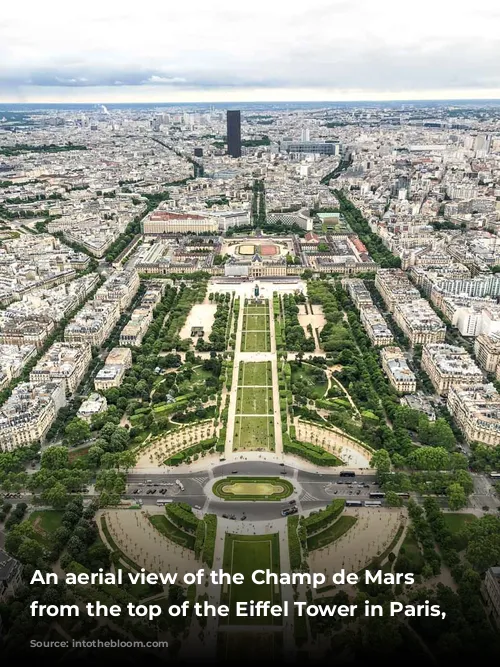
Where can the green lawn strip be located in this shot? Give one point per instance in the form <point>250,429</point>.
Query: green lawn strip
<point>255,373</point>
<point>332,533</point>
<point>218,488</point>
<point>115,547</point>
<point>255,341</point>
<point>46,522</point>
<point>172,532</point>
<point>254,401</point>
<point>254,433</point>
<point>457,522</point>
<point>245,554</point>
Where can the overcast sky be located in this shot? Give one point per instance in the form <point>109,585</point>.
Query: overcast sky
<point>262,50</point>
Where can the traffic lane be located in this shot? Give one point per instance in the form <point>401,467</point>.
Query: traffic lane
<point>321,478</point>
<point>158,478</point>
<point>246,468</point>
<point>253,511</point>
<point>191,487</point>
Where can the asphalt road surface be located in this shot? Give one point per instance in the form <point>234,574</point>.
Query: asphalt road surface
<point>313,489</point>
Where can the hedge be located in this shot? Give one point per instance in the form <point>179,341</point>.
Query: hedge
<point>320,520</point>
<point>182,516</point>
<point>294,543</point>
<point>210,524</point>
<point>202,446</point>
<point>313,453</point>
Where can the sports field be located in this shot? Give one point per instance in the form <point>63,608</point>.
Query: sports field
<point>244,554</point>
<point>255,333</point>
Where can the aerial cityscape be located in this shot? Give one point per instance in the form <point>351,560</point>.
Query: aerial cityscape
<point>250,333</point>
<point>264,337</point>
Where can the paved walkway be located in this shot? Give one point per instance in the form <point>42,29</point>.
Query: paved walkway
<point>278,436</point>
<point>234,384</point>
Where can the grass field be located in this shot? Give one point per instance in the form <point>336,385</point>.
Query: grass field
<point>244,554</point>
<point>255,334</point>
<point>254,401</point>
<point>252,488</point>
<point>332,533</point>
<point>457,522</point>
<point>255,373</point>
<point>253,433</point>
<point>45,523</point>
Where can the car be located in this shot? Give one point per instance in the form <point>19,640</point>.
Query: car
<point>340,482</point>
<point>282,465</point>
<point>283,472</point>
<point>197,507</point>
<point>358,492</point>
<point>336,491</point>
<point>153,490</point>
<point>135,491</point>
<point>234,472</point>
<point>366,486</point>
<point>225,516</point>
<point>292,502</point>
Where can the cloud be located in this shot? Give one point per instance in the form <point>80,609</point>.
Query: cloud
<point>328,45</point>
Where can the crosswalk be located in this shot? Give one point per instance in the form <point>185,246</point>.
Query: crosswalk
<point>307,496</point>
<point>201,480</point>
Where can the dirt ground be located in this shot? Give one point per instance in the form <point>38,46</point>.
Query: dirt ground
<point>201,315</point>
<point>317,320</point>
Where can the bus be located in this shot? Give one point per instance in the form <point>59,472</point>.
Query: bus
<point>347,473</point>
<point>377,494</point>
<point>373,503</point>
<point>403,495</point>
<point>163,501</point>
<point>495,475</point>
<point>354,503</point>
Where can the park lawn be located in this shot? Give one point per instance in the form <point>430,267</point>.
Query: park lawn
<point>256,322</point>
<point>172,532</point>
<point>457,522</point>
<point>244,554</point>
<point>254,433</point>
<point>255,341</point>
<point>332,533</point>
<point>255,373</point>
<point>45,523</point>
<point>304,373</point>
<point>253,488</point>
<point>254,401</point>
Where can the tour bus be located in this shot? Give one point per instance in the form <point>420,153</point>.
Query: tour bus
<point>179,484</point>
<point>403,495</point>
<point>372,503</point>
<point>377,494</point>
<point>163,501</point>
<point>495,475</point>
<point>347,473</point>
<point>354,503</point>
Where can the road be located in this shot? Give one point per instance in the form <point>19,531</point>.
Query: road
<point>313,490</point>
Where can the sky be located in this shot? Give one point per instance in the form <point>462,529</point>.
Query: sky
<point>102,51</point>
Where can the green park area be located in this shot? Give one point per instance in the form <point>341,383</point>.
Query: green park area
<point>252,488</point>
<point>254,401</point>
<point>255,333</point>
<point>253,433</point>
<point>45,523</point>
<point>245,554</point>
<point>255,373</point>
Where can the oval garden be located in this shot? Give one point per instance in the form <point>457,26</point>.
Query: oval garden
<point>252,488</point>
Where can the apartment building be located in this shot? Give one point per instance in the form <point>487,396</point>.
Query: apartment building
<point>487,351</point>
<point>93,405</point>
<point>375,325</point>
<point>63,361</point>
<point>29,413</point>
<point>166,222</point>
<point>357,291</point>
<point>116,365</point>
<point>395,288</point>
<point>121,286</point>
<point>10,576</point>
<point>491,593</point>
<point>419,322</point>
<point>13,358</point>
<point>93,323</point>
<point>135,330</point>
<point>397,370</point>
<point>476,409</point>
<point>449,365</point>
<point>19,330</point>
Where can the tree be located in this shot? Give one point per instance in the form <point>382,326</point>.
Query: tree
<point>55,458</point>
<point>381,461</point>
<point>456,496</point>
<point>77,431</point>
<point>56,495</point>
<point>393,500</point>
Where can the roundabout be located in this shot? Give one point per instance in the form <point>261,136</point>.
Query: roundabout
<point>252,488</point>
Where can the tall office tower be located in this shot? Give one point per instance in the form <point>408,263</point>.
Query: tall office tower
<point>305,136</point>
<point>198,152</point>
<point>234,133</point>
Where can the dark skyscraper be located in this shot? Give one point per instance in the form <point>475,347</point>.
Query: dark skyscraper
<point>198,152</point>
<point>234,133</point>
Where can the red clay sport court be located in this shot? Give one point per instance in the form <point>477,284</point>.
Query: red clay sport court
<point>268,250</point>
